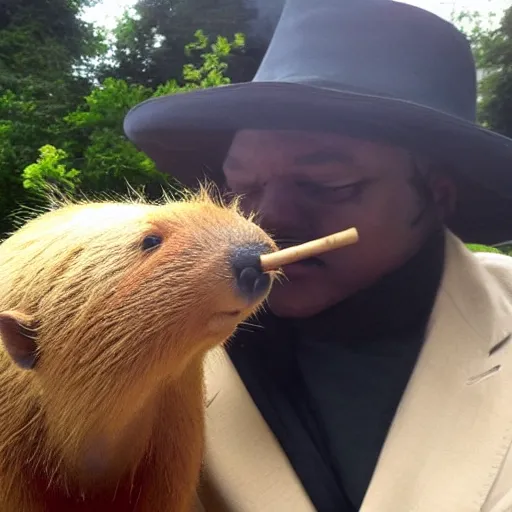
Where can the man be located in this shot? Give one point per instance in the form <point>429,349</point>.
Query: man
<point>381,379</point>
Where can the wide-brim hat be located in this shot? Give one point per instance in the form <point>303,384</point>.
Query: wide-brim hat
<point>376,69</point>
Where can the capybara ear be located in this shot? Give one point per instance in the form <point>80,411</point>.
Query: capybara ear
<point>18,334</point>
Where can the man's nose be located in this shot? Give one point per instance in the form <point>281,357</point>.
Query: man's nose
<point>277,208</point>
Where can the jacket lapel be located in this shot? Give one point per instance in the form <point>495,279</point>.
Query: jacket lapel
<point>245,468</point>
<point>454,424</point>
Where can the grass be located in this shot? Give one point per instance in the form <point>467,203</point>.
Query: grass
<point>501,249</point>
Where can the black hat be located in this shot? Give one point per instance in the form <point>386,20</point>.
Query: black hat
<point>376,69</point>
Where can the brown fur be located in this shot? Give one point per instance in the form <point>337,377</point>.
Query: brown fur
<point>111,416</point>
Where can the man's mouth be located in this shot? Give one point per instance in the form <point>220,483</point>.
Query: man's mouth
<point>308,262</point>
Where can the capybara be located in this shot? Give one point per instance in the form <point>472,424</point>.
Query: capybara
<point>107,310</point>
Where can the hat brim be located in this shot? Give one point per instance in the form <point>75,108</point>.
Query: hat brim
<point>188,134</point>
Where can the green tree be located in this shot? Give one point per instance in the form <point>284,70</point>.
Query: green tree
<point>45,54</point>
<point>49,170</point>
<point>149,40</point>
<point>97,157</point>
<point>496,87</point>
<point>492,48</point>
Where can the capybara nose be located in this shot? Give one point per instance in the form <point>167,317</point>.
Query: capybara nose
<point>251,281</point>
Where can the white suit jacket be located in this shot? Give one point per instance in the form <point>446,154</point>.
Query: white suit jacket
<point>449,446</point>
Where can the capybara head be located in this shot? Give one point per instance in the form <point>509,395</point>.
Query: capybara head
<point>102,302</point>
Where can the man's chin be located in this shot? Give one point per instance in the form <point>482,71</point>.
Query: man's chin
<point>291,299</point>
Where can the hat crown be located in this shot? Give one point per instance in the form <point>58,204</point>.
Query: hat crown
<point>376,47</point>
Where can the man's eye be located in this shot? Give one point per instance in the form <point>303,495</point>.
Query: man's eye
<point>343,193</point>
<point>349,191</point>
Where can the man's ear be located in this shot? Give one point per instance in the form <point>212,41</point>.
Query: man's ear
<point>444,192</point>
<point>18,335</point>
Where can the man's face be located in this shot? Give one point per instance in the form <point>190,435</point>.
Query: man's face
<point>304,186</point>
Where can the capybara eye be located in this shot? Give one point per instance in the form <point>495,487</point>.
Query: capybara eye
<point>151,242</point>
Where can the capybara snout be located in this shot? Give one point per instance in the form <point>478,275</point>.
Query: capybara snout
<point>219,250</point>
<point>251,281</point>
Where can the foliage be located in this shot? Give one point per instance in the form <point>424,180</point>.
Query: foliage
<point>42,46</point>
<point>212,71</point>
<point>497,86</point>
<point>148,42</point>
<point>96,156</point>
<point>49,170</point>
<point>484,248</point>
<point>492,48</point>
<point>481,36</point>
<point>43,39</point>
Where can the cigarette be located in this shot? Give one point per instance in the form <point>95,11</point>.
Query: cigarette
<point>289,255</point>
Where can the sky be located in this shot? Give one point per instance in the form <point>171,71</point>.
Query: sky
<point>106,12</point>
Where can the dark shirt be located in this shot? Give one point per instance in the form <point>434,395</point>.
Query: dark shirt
<point>329,386</point>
